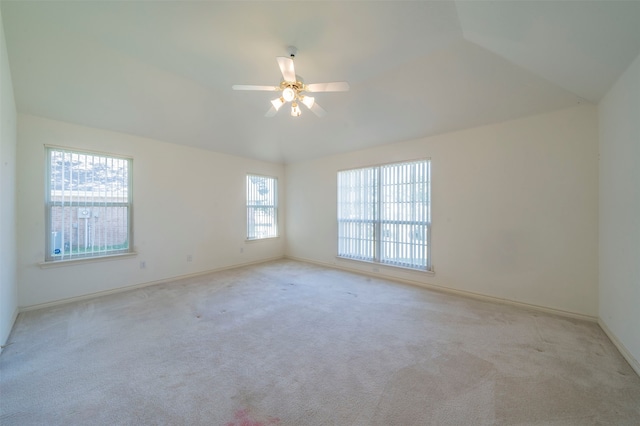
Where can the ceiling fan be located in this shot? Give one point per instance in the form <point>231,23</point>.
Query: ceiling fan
<point>292,88</point>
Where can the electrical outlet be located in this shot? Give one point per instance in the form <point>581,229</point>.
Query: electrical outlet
<point>143,264</point>
<point>241,249</point>
<point>189,258</point>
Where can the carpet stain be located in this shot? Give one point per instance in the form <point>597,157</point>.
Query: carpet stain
<point>243,418</point>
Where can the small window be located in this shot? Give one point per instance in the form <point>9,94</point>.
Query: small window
<point>262,208</point>
<point>88,205</point>
<point>384,214</point>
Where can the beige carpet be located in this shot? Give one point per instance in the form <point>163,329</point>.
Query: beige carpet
<point>287,343</point>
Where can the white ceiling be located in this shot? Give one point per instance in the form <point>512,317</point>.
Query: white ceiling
<point>164,70</point>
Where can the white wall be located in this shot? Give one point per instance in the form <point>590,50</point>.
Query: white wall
<point>619,284</point>
<point>186,201</point>
<point>8,281</point>
<point>515,209</point>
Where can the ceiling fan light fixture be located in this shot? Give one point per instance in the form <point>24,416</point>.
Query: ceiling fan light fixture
<point>277,103</point>
<point>288,94</point>
<point>295,110</point>
<point>308,101</point>
<point>292,87</point>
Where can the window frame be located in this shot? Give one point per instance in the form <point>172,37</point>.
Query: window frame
<point>273,207</point>
<point>49,204</point>
<point>370,208</point>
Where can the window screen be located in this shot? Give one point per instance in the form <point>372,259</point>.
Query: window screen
<point>262,209</point>
<point>384,214</point>
<point>88,205</point>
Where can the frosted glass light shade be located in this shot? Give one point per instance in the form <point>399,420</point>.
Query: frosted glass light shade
<point>288,94</point>
<point>308,101</point>
<point>277,103</point>
<point>295,110</point>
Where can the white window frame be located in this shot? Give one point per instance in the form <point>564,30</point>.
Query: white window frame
<point>86,203</point>
<point>267,205</point>
<point>384,214</point>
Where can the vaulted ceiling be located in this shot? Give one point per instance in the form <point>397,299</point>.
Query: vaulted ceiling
<point>164,70</point>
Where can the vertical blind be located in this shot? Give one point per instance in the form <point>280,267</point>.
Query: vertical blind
<point>384,214</point>
<point>88,205</point>
<point>262,209</point>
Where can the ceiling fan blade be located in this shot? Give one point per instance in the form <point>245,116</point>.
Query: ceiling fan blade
<point>338,86</point>
<point>272,112</point>
<point>286,68</point>
<point>318,110</point>
<point>250,87</point>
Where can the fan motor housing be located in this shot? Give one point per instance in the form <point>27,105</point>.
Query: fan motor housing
<point>297,86</point>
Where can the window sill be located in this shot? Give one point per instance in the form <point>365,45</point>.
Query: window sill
<point>78,261</point>
<point>376,266</point>
<point>254,240</point>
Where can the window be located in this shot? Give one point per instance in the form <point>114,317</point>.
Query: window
<point>88,205</point>
<point>384,214</point>
<point>262,208</point>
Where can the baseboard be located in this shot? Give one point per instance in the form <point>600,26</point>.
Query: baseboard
<point>434,287</point>
<point>14,317</point>
<point>463,293</point>
<point>141,285</point>
<point>622,348</point>
<point>635,365</point>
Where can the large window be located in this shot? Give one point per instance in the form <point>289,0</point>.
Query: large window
<point>262,207</point>
<point>384,214</point>
<point>88,205</point>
